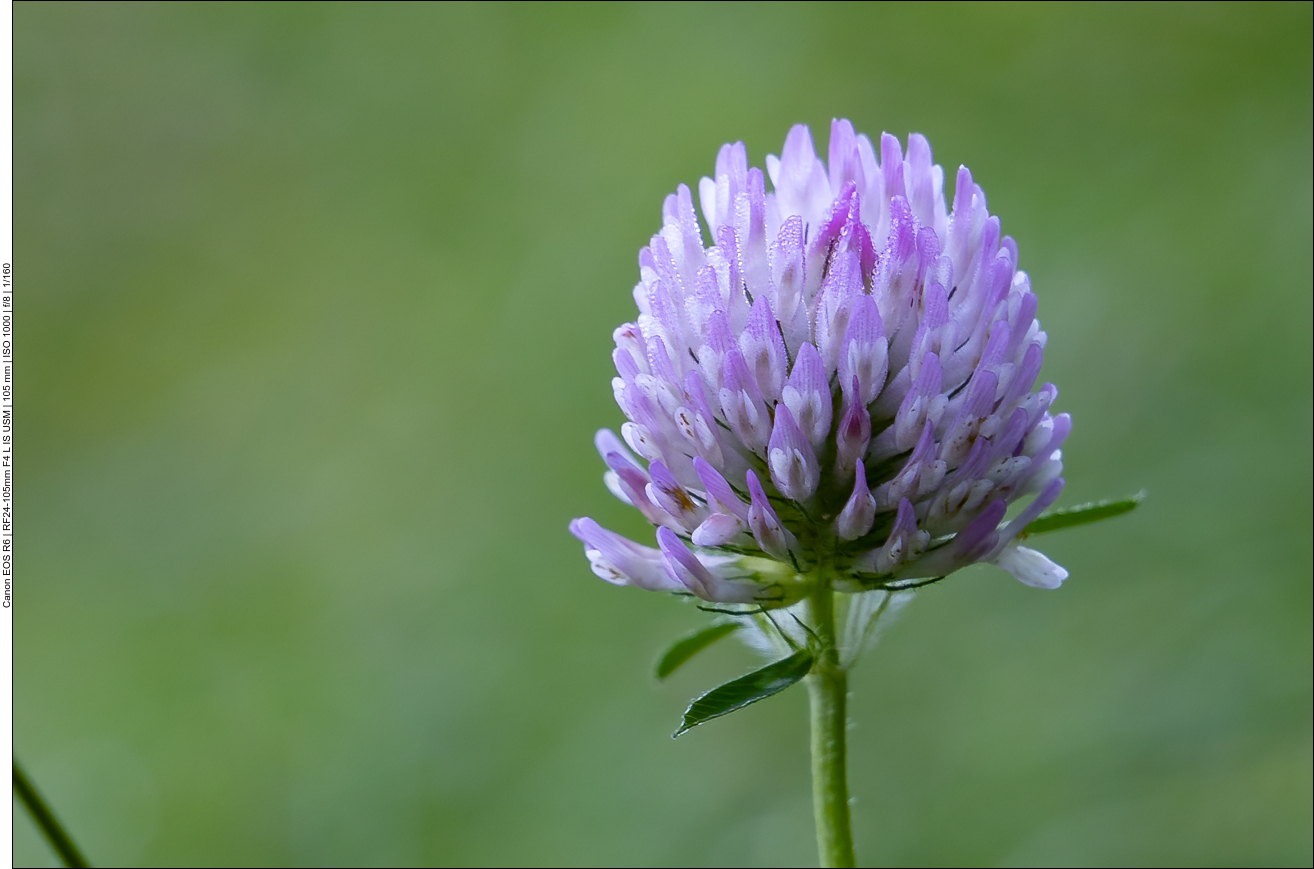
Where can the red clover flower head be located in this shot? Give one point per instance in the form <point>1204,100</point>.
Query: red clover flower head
<point>844,379</point>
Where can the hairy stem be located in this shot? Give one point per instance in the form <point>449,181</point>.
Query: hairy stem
<point>828,689</point>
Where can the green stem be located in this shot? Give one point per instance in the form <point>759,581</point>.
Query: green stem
<point>828,688</point>
<point>45,819</point>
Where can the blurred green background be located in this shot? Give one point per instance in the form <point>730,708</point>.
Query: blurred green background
<point>314,309</point>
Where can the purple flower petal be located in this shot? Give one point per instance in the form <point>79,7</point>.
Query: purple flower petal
<point>853,436</point>
<point>807,395</point>
<point>621,561</point>
<point>794,467</point>
<point>765,524</point>
<point>683,567</point>
<point>859,511</point>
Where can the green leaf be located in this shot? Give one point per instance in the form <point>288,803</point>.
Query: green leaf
<point>684,649</point>
<point>758,685</point>
<point>1071,517</point>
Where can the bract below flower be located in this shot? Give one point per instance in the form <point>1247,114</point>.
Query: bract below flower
<point>844,379</point>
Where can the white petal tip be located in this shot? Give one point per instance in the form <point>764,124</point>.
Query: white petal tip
<point>1032,568</point>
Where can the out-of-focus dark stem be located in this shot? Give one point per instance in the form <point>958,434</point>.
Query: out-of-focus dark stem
<point>45,819</point>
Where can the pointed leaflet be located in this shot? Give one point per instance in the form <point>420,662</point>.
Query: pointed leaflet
<point>685,648</point>
<point>758,685</point>
<point>1071,517</point>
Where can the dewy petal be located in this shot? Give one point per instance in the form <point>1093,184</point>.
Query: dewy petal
<point>841,288</point>
<point>800,179</point>
<point>807,395</point>
<point>764,349</point>
<point>863,357</point>
<point>892,165</point>
<point>621,561</point>
<point>919,179</point>
<point>845,163</point>
<point>789,278</point>
<point>750,230</point>
<point>717,196</point>
<point>1030,567</point>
